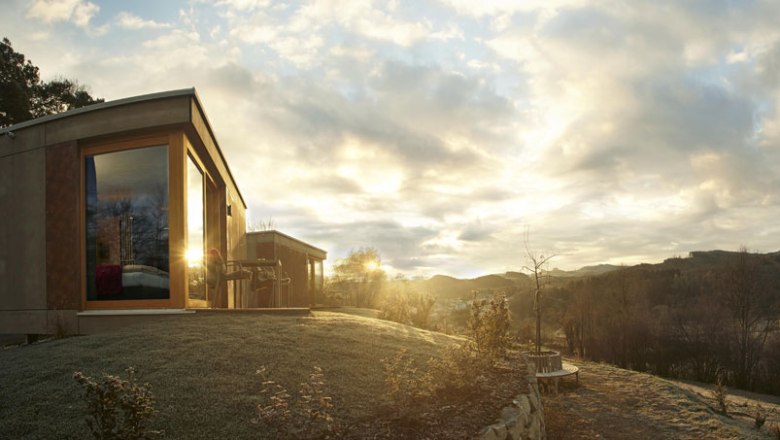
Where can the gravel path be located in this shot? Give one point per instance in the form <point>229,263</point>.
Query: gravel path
<point>611,403</point>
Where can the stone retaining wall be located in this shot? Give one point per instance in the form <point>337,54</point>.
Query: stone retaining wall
<point>523,419</point>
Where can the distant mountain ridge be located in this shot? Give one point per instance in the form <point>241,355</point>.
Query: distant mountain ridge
<point>444,286</point>
<point>585,271</point>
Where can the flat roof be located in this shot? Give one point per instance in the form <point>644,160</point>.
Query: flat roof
<point>190,92</point>
<point>275,232</point>
<point>101,106</point>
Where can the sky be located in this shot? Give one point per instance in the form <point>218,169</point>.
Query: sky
<point>446,133</point>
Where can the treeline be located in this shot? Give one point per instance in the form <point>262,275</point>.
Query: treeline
<point>711,316</point>
<point>24,96</point>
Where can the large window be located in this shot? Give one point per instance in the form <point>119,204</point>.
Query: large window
<point>127,255</point>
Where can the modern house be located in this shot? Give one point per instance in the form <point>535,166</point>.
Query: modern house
<point>109,210</point>
<point>301,267</point>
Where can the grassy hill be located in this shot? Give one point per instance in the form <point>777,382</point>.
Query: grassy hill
<point>613,403</point>
<point>202,371</point>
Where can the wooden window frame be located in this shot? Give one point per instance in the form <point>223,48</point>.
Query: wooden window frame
<point>177,155</point>
<point>191,154</point>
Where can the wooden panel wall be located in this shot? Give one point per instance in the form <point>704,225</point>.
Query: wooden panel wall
<point>63,259</point>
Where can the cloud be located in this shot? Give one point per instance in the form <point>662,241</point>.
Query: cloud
<point>440,131</point>
<point>78,12</point>
<point>244,5</point>
<point>128,20</point>
<point>475,231</point>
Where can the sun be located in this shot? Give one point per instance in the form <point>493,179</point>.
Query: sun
<point>372,266</point>
<point>194,257</point>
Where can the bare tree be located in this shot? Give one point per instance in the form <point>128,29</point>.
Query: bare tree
<point>262,226</point>
<point>538,266</point>
<point>747,296</point>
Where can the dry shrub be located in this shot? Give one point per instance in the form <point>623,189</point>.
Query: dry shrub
<point>309,416</point>
<point>276,409</point>
<point>775,431</point>
<point>489,326</point>
<point>408,307</point>
<point>118,409</point>
<point>404,383</point>
<point>454,377</point>
<point>760,418</point>
<point>395,307</point>
<point>720,394</point>
<point>421,310</point>
<point>459,374</point>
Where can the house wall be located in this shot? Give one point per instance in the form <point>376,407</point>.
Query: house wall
<point>293,255</point>
<point>22,234</point>
<point>63,257</point>
<point>126,119</point>
<point>236,225</point>
<point>41,237</point>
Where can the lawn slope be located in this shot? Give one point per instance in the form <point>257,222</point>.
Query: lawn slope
<point>202,370</point>
<point>613,403</point>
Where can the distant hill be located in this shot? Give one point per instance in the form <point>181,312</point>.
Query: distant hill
<point>713,260</point>
<point>446,287</point>
<point>443,286</point>
<point>585,271</point>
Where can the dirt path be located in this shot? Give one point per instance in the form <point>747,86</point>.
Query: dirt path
<point>611,403</point>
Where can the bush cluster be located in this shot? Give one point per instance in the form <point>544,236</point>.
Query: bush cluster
<point>118,409</point>
<point>458,375</point>
<point>309,416</point>
<point>488,326</point>
<point>406,307</point>
<point>404,382</point>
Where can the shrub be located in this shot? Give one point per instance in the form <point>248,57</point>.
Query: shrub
<point>421,310</point>
<point>775,431</point>
<point>458,374</point>
<point>276,410</point>
<point>309,416</point>
<point>760,418</point>
<point>315,406</point>
<point>488,325</point>
<point>395,307</point>
<point>407,307</point>
<point>404,383</point>
<point>118,409</point>
<point>720,394</point>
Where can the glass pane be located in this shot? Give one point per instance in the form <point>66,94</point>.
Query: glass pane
<point>127,224</point>
<point>318,276</point>
<point>195,232</point>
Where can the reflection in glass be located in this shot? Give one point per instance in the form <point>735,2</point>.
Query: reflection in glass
<point>195,232</point>
<point>127,224</point>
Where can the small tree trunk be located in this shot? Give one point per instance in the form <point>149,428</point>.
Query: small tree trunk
<point>538,326</point>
